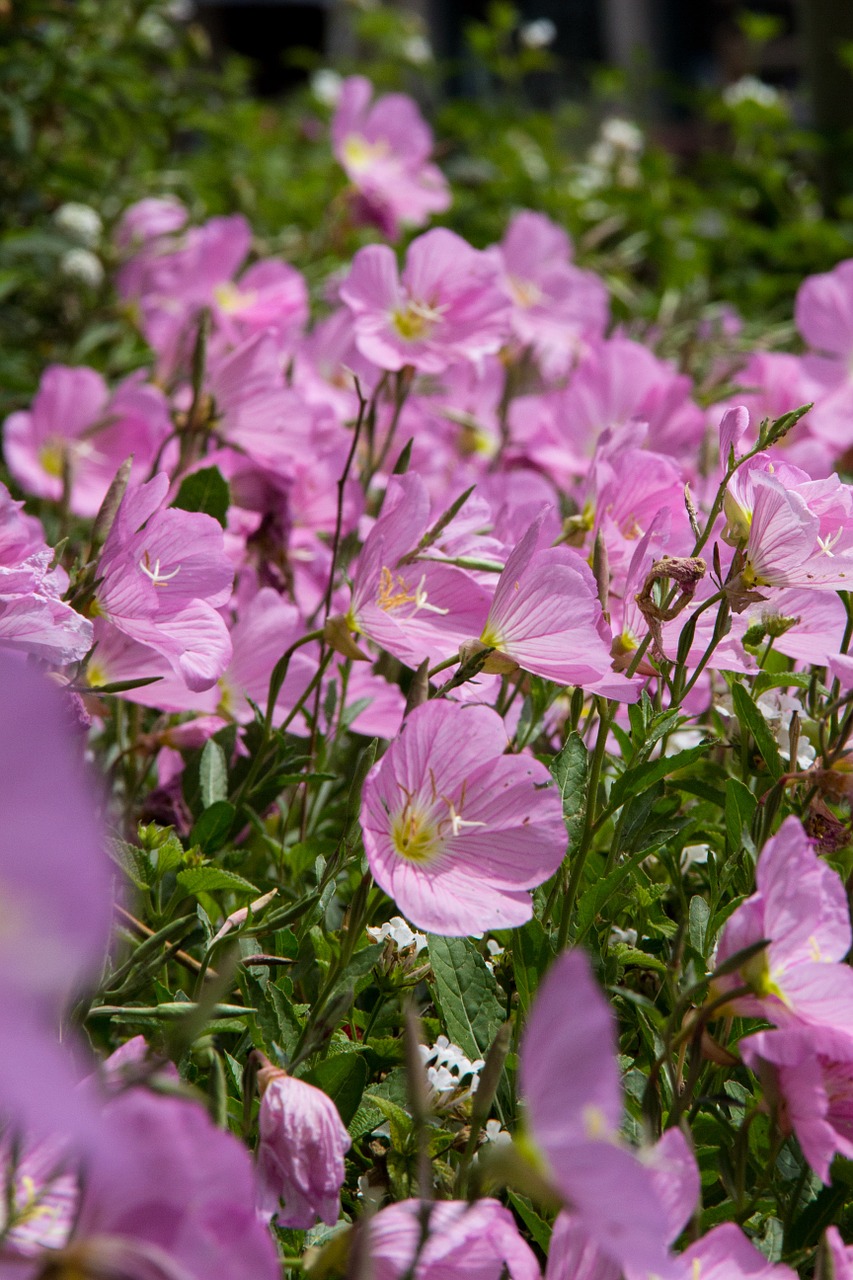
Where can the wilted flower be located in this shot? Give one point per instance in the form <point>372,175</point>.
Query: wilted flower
<point>455,831</point>
<point>301,1148</point>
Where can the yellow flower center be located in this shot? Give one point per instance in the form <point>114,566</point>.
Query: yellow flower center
<point>415,836</point>
<point>415,320</point>
<point>51,457</point>
<point>361,154</point>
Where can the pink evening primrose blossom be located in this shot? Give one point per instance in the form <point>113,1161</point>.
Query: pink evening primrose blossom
<point>569,1078</point>
<point>447,304</point>
<point>812,1069</point>
<point>555,305</point>
<point>477,1241</point>
<point>75,428</point>
<point>34,619</point>
<point>167,1196</point>
<point>384,148</point>
<point>301,1149</point>
<point>824,316</point>
<point>546,617</point>
<point>573,1255</point>
<point>840,1255</point>
<point>455,831</point>
<point>162,576</point>
<point>55,884</point>
<point>415,609</point>
<point>800,907</point>
<point>795,531</point>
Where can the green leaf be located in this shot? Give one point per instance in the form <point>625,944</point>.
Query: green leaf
<point>599,893</point>
<point>343,1078</point>
<point>206,491</point>
<point>198,880</point>
<point>698,914</point>
<point>740,809</point>
<point>359,966</point>
<point>213,827</point>
<point>633,781</point>
<point>134,862</point>
<point>212,774</point>
<point>753,721</point>
<point>531,955</point>
<point>569,768</point>
<point>538,1227</point>
<point>467,994</point>
<point>399,1121</point>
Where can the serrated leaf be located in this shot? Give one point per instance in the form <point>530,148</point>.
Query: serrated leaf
<point>343,1078</point>
<point>569,769</point>
<point>399,1121</point>
<point>135,864</point>
<point>467,994</point>
<point>211,879</point>
<point>212,774</point>
<point>206,491</point>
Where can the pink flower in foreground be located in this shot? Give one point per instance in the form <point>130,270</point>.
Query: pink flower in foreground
<point>800,906</point>
<point>384,148</point>
<point>163,574</point>
<point>55,885</point>
<point>447,304</point>
<point>300,1157</point>
<point>841,1255</point>
<point>455,831</point>
<point>477,1241</point>
<point>167,1194</point>
<point>813,1071</point>
<point>725,1253</point>
<point>547,618</point>
<point>570,1081</point>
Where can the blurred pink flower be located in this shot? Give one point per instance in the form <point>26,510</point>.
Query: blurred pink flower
<point>477,1241</point>
<point>455,831</point>
<point>384,148</point>
<point>555,305</point>
<point>76,426</point>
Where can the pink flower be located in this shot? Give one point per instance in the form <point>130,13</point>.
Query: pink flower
<point>841,1255</point>
<point>725,1253</point>
<point>801,907</point>
<point>415,610</point>
<point>167,1194</point>
<point>824,316</point>
<point>555,305</point>
<point>455,831</point>
<point>384,149</point>
<point>300,1157</point>
<point>813,1071</point>
<point>162,576</point>
<point>546,617</point>
<point>55,885</point>
<point>477,1241</point>
<point>447,305</point>
<point>570,1082</point>
<point>75,425</point>
<point>271,296</point>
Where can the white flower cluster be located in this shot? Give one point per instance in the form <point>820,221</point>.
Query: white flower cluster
<point>400,933</point>
<point>537,34</point>
<point>751,89</point>
<point>451,1077</point>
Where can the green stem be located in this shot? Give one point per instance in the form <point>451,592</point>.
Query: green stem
<point>606,713</point>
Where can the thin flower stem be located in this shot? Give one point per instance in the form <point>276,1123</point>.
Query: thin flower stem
<point>606,713</point>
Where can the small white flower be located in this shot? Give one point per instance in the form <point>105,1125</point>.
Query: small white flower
<point>693,854</point>
<point>622,135</point>
<point>451,1077</point>
<point>494,1133</point>
<point>417,50</point>
<point>751,89</point>
<point>537,34</point>
<point>626,936</point>
<point>80,221</point>
<point>326,86</point>
<point>82,265</point>
<point>400,933</point>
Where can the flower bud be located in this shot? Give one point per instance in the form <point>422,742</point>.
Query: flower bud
<point>300,1152</point>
